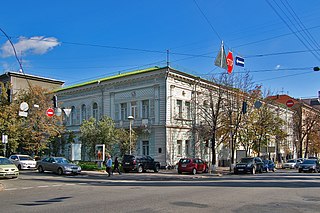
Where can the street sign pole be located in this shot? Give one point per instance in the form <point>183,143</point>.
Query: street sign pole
<point>4,141</point>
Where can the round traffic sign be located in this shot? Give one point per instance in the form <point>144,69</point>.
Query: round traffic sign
<point>289,103</point>
<point>50,112</point>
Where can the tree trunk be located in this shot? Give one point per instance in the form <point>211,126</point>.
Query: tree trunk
<point>213,149</point>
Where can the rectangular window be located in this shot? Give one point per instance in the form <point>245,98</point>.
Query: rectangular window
<point>145,147</point>
<point>179,147</point>
<point>145,109</point>
<point>188,109</point>
<point>134,109</point>
<point>123,111</point>
<point>187,147</point>
<point>179,108</point>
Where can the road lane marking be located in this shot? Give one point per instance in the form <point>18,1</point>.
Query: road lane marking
<point>43,186</point>
<point>27,187</point>
<point>11,189</point>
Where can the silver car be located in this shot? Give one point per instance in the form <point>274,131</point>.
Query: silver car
<point>58,165</point>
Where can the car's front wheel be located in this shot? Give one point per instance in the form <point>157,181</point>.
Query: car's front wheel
<point>60,171</point>
<point>140,169</point>
<point>156,169</point>
<point>19,167</point>
<point>194,171</point>
<point>40,169</point>
<point>253,170</point>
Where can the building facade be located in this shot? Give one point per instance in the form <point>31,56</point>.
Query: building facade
<point>163,102</point>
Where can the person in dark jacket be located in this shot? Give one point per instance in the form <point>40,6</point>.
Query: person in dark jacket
<point>116,166</point>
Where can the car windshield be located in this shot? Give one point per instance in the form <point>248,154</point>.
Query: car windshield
<point>184,160</point>
<point>5,161</point>
<point>61,160</point>
<point>291,161</point>
<point>26,158</point>
<point>246,160</point>
<point>309,162</point>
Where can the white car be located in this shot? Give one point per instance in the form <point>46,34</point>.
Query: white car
<point>290,164</point>
<point>23,161</point>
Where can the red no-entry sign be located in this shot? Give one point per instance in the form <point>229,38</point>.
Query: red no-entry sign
<point>230,62</point>
<point>50,112</point>
<point>289,103</point>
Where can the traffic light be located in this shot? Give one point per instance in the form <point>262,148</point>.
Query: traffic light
<point>55,101</point>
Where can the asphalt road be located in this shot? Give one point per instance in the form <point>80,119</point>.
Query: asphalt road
<point>282,191</point>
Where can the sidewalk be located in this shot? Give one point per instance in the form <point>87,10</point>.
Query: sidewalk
<point>167,173</point>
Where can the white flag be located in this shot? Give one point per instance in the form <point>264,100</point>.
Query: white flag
<point>221,60</point>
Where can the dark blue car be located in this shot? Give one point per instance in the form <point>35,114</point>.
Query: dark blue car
<point>268,165</point>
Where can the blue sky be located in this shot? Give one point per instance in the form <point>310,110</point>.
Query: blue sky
<point>77,41</point>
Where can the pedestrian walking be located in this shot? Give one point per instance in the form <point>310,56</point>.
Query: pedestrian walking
<point>116,166</point>
<point>109,165</point>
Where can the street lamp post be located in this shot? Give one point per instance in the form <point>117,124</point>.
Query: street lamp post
<point>130,117</point>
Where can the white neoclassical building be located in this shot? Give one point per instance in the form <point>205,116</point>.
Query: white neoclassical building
<point>161,100</point>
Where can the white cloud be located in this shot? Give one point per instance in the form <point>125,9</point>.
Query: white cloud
<point>35,45</point>
<point>278,67</point>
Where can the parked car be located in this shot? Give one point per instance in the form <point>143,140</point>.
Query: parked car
<point>139,163</point>
<point>23,161</point>
<point>58,165</point>
<point>249,165</point>
<point>291,164</point>
<point>309,165</point>
<point>268,165</point>
<point>7,168</point>
<point>192,165</point>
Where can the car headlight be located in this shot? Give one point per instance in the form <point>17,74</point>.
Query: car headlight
<point>67,168</point>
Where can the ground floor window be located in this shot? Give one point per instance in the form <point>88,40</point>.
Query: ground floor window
<point>145,147</point>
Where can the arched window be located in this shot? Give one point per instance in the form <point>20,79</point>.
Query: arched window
<point>95,111</point>
<point>73,116</point>
<point>83,112</point>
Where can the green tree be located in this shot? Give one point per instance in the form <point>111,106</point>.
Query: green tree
<point>37,129</point>
<point>9,121</point>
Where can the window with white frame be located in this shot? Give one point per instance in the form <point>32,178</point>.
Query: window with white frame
<point>95,111</point>
<point>83,112</point>
<point>145,109</point>
<point>145,147</point>
<point>179,147</point>
<point>188,109</point>
<point>134,109</point>
<point>123,111</point>
<point>73,116</point>
<point>179,108</point>
<point>187,147</point>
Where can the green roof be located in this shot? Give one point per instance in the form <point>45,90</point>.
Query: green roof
<point>110,78</point>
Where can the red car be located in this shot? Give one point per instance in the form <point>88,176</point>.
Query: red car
<point>192,165</point>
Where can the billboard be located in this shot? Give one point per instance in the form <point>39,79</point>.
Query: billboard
<point>100,152</point>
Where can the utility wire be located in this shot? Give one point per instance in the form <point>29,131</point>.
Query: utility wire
<point>207,20</point>
<point>300,39</point>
